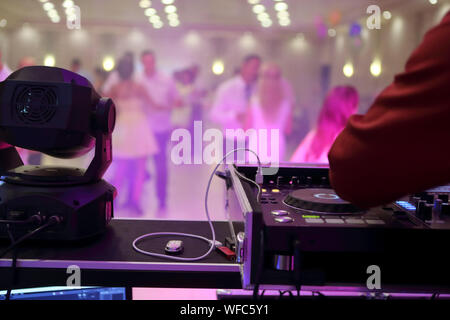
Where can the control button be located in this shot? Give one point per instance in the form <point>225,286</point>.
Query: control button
<point>424,210</point>
<point>314,220</point>
<point>295,181</point>
<point>375,221</point>
<point>355,221</point>
<point>281,180</point>
<point>347,217</point>
<point>335,221</point>
<point>275,190</point>
<point>284,219</point>
<point>310,216</point>
<point>280,213</point>
<point>263,190</point>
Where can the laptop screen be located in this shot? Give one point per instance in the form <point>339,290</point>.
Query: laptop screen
<point>68,293</point>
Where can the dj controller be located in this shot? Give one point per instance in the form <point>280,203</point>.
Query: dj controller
<point>299,232</point>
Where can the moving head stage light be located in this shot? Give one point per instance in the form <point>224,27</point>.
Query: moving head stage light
<point>59,113</point>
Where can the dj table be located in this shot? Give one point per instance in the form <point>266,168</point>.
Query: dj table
<point>110,260</point>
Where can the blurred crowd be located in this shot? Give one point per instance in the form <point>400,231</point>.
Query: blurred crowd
<point>150,104</point>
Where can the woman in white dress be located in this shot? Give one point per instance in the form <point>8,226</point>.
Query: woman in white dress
<point>133,141</point>
<point>340,103</point>
<point>271,108</point>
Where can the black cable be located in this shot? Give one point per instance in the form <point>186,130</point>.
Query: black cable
<point>32,219</point>
<point>435,296</point>
<point>260,266</point>
<point>14,264</point>
<point>51,221</point>
<point>318,294</point>
<point>14,246</point>
<point>282,293</point>
<point>297,267</point>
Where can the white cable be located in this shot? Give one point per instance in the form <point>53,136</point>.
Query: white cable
<point>250,180</point>
<point>211,242</point>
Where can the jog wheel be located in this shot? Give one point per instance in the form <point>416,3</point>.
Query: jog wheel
<point>324,201</point>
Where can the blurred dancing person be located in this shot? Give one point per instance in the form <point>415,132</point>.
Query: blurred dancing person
<point>163,91</point>
<point>192,97</point>
<point>231,104</point>
<point>339,105</point>
<point>133,141</point>
<point>77,67</point>
<point>233,96</point>
<point>26,62</point>
<point>271,108</point>
<point>4,70</point>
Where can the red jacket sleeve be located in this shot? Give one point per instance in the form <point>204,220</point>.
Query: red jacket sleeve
<point>402,144</point>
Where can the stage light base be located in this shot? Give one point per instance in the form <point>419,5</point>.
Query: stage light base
<point>85,209</point>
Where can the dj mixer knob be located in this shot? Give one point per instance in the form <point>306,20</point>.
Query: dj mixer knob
<point>324,181</point>
<point>281,181</point>
<point>295,181</point>
<point>424,210</point>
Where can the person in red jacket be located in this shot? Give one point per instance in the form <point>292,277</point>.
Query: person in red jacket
<point>401,145</point>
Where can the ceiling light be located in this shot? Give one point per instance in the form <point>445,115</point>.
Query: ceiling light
<point>68,3</point>
<point>150,12</point>
<point>48,6</point>
<point>218,67</point>
<point>263,16</point>
<point>57,19</point>
<point>172,16</point>
<point>284,22</point>
<point>49,60</point>
<point>348,70</point>
<point>281,6</point>
<point>145,4</point>
<point>158,25</point>
<point>52,13</point>
<point>174,23</point>
<point>170,9</point>
<point>154,19</point>
<point>283,14</point>
<point>375,68</point>
<point>258,8</point>
<point>108,63</point>
<point>266,23</point>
